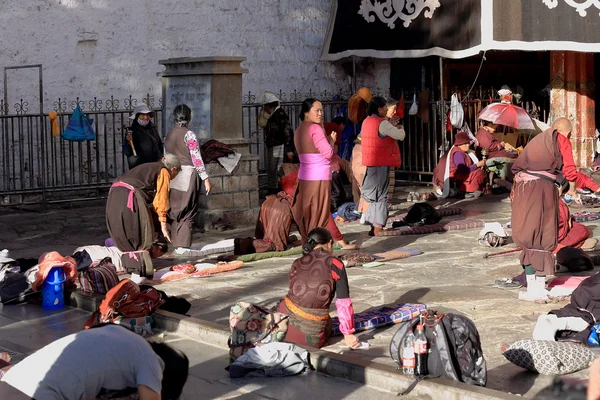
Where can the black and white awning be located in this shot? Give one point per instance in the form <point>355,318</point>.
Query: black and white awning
<point>459,28</point>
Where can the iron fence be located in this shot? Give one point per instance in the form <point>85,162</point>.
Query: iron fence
<point>37,164</point>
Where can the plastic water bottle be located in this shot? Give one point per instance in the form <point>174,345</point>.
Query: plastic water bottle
<point>408,354</point>
<point>421,352</point>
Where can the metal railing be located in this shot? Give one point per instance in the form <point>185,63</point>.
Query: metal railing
<point>38,166</point>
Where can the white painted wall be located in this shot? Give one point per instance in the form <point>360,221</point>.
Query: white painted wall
<point>99,48</point>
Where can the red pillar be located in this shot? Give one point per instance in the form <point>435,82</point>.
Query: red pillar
<point>572,81</point>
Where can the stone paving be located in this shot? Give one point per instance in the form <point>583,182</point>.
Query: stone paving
<point>451,275</point>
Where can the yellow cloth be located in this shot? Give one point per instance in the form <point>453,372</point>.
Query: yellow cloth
<point>55,129</point>
<point>161,200</point>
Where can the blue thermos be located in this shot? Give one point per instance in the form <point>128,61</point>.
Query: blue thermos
<point>53,297</point>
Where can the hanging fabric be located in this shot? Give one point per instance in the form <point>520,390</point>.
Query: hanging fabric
<point>80,127</point>
<point>414,109</point>
<point>400,107</point>
<point>457,114</point>
<point>54,123</point>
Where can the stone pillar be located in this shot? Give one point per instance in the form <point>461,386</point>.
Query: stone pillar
<point>572,96</point>
<point>212,88</point>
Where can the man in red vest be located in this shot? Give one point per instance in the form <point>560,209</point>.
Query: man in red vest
<point>380,151</point>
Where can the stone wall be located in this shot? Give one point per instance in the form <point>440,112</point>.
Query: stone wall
<point>99,48</point>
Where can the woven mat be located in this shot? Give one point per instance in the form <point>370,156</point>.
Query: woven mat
<point>200,273</point>
<point>459,225</point>
<point>585,216</point>
<point>442,212</point>
<point>384,316</point>
<point>358,258</point>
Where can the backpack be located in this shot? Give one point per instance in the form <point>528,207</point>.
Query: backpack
<point>127,300</point>
<point>99,277</point>
<point>454,347</point>
<point>422,214</point>
<point>14,288</point>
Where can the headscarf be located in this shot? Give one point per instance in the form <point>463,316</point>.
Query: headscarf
<point>357,105</point>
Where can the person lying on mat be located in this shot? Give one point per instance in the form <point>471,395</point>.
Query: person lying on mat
<point>314,279</point>
<point>106,361</point>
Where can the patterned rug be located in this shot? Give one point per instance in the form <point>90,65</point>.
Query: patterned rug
<point>384,316</point>
<point>585,216</point>
<point>442,212</point>
<point>358,258</point>
<point>459,225</point>
<point>201,271</point>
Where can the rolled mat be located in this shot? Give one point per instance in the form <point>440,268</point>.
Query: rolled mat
<point>442,212</point>
<point>384,316</point>
<point>585,216</point>
<point>294,251</point>
<point>201,272</point>
<point>357,258</point>
<point>459,225</point>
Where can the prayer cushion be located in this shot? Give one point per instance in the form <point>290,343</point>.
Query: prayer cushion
<point>549,358</point>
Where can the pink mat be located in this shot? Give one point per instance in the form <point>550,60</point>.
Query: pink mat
<point>567,281</point>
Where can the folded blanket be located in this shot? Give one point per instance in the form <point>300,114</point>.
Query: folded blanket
<point>459,225</point>
<point>387,315</point>
<point>442,212</point>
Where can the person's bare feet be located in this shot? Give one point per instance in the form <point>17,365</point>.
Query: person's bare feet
<point>348,246</point>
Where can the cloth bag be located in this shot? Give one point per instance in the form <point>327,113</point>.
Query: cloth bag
<point>457,114</point>
<point>99,277</point>
<point>80,127</point>
<point>414,109</point>
<point>253,326</point>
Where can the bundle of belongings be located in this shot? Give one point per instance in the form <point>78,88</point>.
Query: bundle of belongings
<point>562,340</point>
<point>13,284</point>
<point>418,215</point>
<point>492,235</point>
<point>215,151</point>
<point>20,278</point>
<point>132,306</point>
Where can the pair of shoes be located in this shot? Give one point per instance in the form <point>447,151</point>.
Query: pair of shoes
<point>473,195</point>
<point>507,283</point>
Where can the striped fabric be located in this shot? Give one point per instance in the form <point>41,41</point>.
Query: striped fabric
<point>459,225</point>
<point>384,316</point>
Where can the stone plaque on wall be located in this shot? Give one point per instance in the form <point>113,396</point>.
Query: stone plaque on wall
<point>194,91</point>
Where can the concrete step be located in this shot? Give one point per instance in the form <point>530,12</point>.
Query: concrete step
<point>344,366</point>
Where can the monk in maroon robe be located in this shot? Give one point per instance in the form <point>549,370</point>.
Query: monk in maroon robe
<point>535,208</point>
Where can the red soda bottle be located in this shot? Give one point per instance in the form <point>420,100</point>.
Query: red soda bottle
<point>421,351</point>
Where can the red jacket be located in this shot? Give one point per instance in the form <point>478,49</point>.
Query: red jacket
<point>377,151</point>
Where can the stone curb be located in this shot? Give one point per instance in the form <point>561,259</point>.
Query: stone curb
<point>343,366</point>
